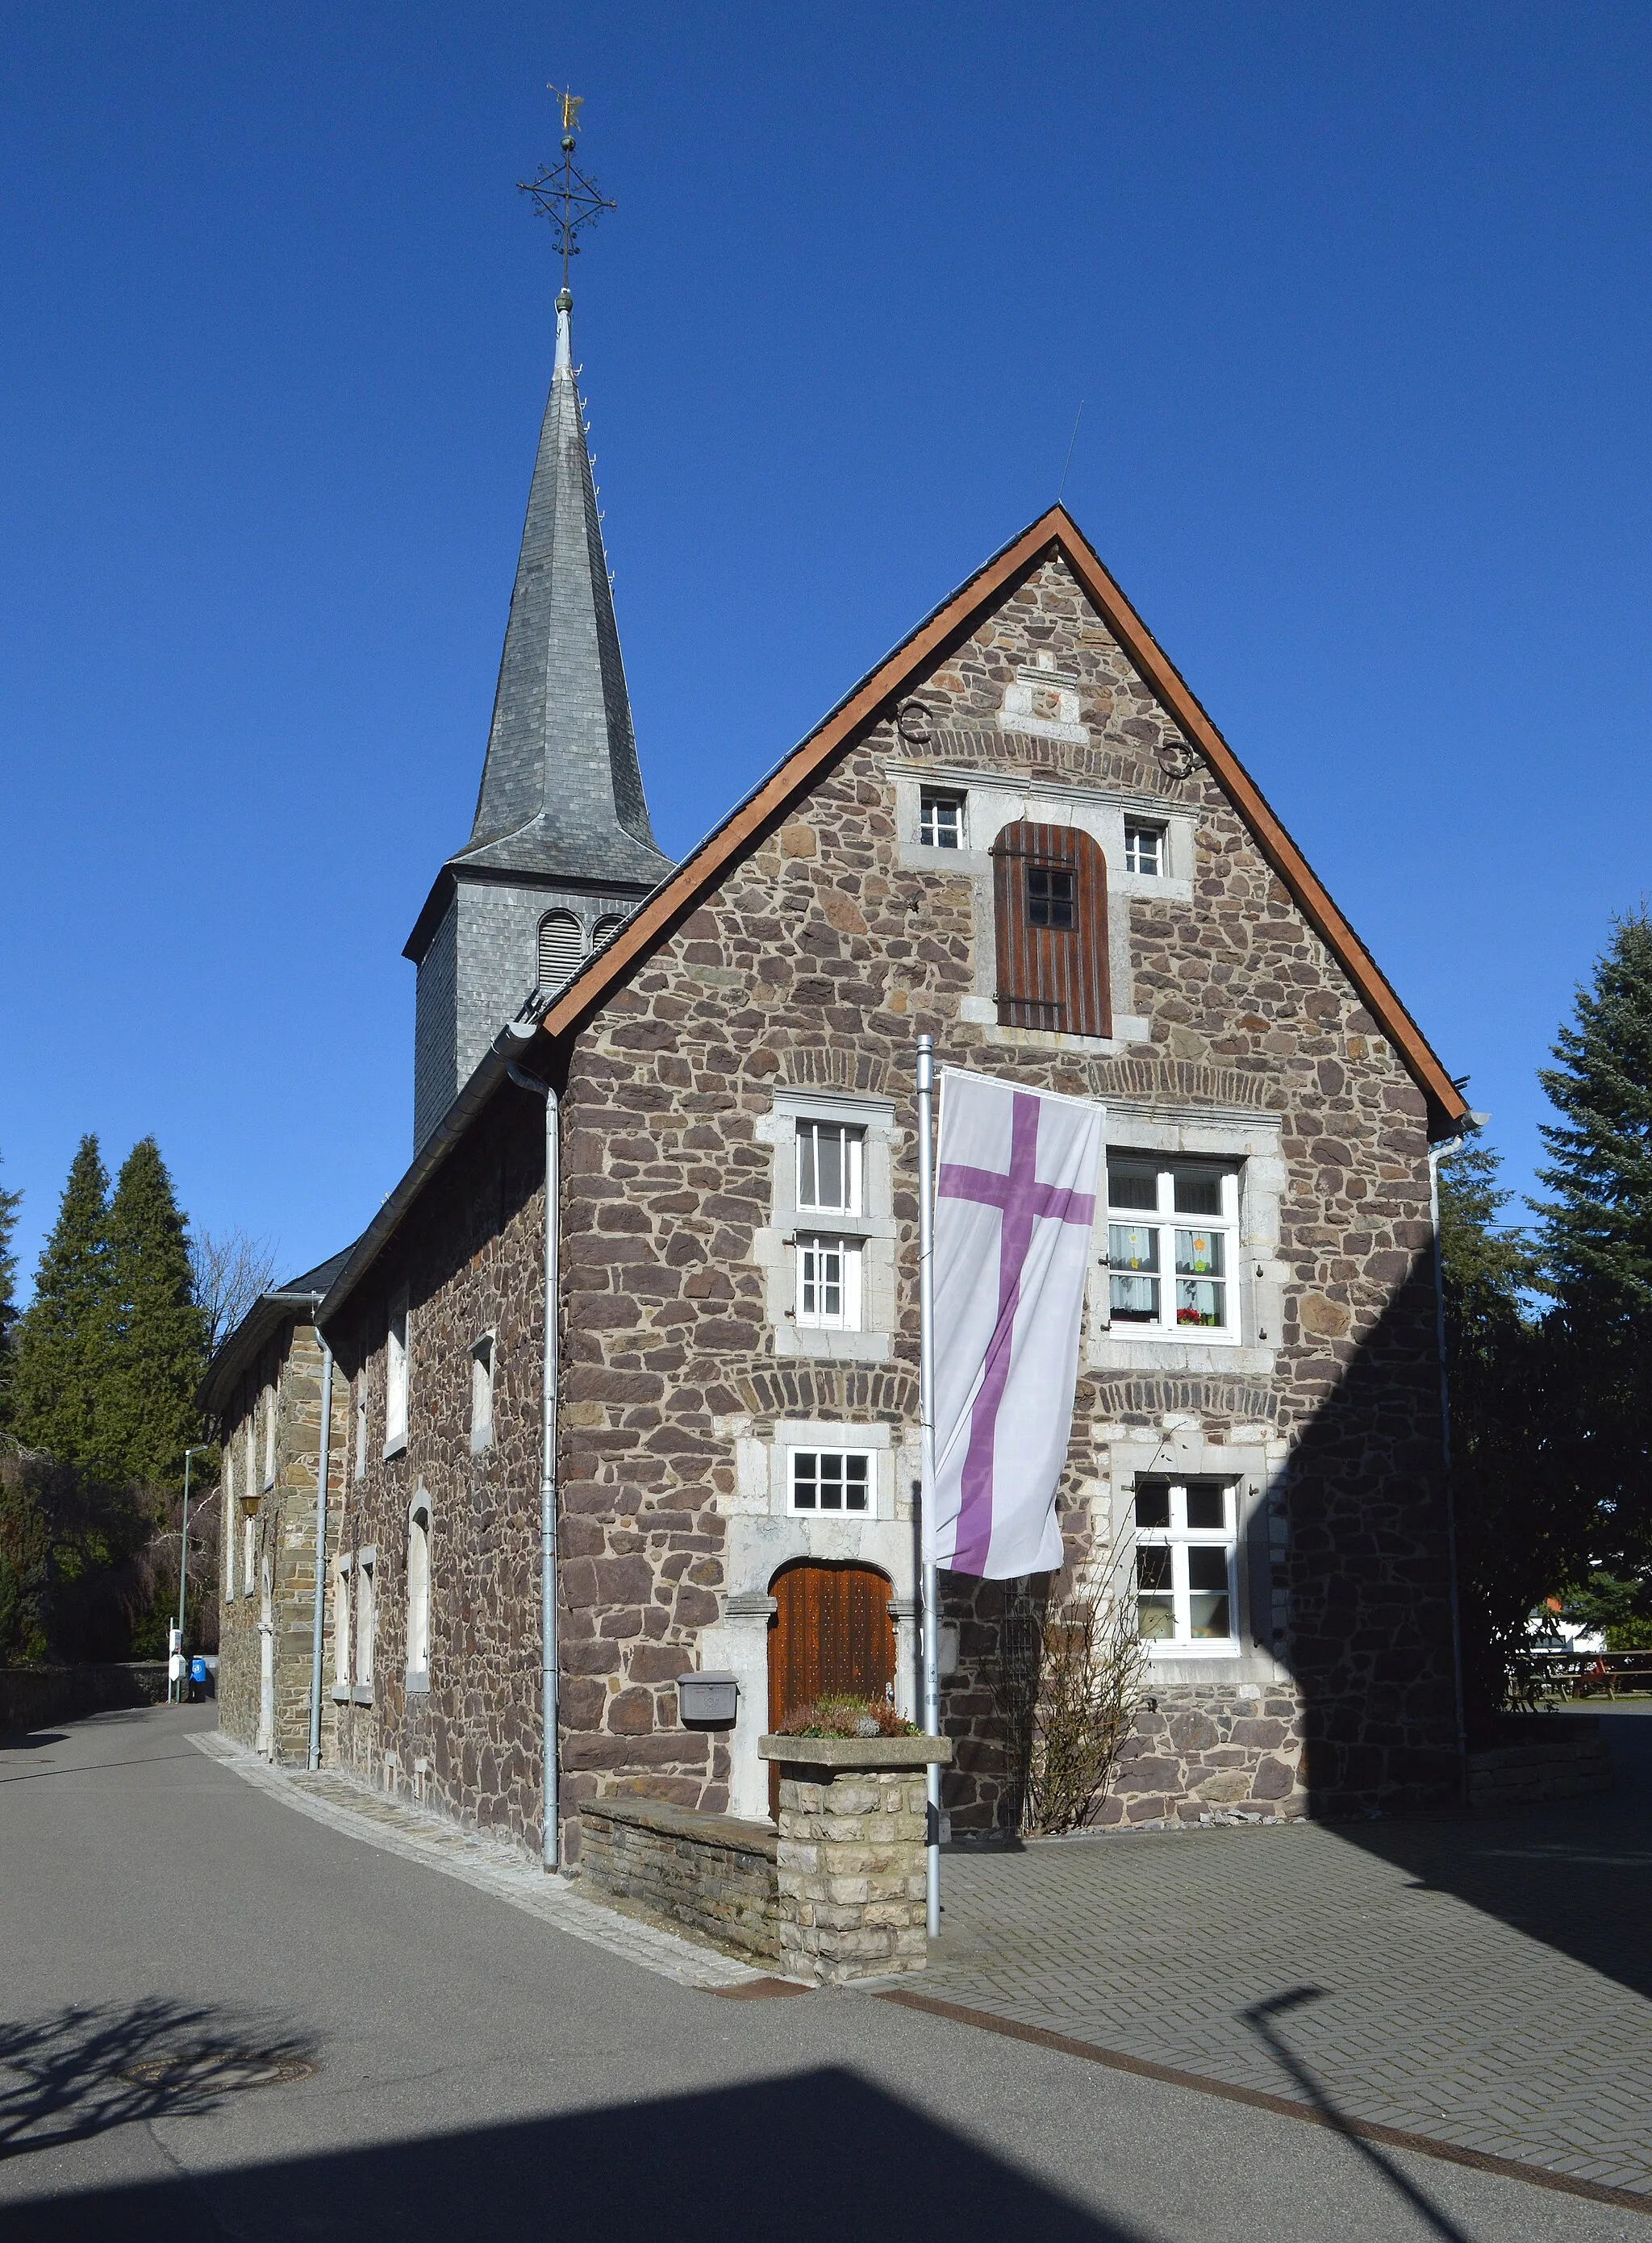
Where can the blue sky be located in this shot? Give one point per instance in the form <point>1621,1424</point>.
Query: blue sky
<point>1355,301</point>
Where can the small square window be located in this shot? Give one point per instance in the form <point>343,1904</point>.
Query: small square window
<point>1145,848</point>
<point>941,820</point>
<point>830,1480</point>
<point>1049,897</point>
<point>829,1283</point>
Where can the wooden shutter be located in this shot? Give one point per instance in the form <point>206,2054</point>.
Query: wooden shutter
<point>1051,977</point>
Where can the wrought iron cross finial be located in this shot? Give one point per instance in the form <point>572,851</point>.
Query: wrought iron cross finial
<point>561,193</point>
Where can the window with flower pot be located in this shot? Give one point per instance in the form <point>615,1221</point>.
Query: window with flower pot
<point>1172,1237</point>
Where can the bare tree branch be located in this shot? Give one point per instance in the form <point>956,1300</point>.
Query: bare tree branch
<point>230,1270</point>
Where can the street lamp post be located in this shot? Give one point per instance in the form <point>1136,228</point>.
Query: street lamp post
<point>199,1450</point>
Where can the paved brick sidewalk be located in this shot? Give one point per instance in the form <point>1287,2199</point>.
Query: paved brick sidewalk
<point>490,1864</point>
<point>1486,1981</point>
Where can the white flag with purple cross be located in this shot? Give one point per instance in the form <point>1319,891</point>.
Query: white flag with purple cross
<point>1014,1207</point>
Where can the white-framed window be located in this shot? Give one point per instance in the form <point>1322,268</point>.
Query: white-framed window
<point>831,1481</point>
<point>419,1592</point>
<point>829,1283</point>
<point>395,1373</point>
<point>1172,1234</point>
<point>830,1167</point>
<point>366,1570</point>
<point>1144,848</point>
<point>342,1571</point>
<point>481,1371</point>
<point>941,819</point>
<point>361,1424</point>
<point>562,946</point>
<point>269,1436</point>
<point>249,1548</point>
<point>250,1487</point>
<point>1186,1551</point>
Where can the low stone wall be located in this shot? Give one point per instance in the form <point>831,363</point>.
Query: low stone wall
<point>1546,1756</point>
<point>710,1872</point>
<point>35,1697</point>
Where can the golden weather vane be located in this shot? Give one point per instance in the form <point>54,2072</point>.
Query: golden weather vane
<point>561,193</point>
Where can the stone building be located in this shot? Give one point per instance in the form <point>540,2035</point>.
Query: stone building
<point>1021,833</point>
<point>263,1394</point>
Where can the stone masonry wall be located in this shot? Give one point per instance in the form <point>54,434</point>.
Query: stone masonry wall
<point>714,1875</point>
<point>820,957</point>
<point>472,1264</point>
<point>288,1376</point>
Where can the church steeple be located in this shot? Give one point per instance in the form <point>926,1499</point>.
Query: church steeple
<point>560,792</point>
<point>561,850</point>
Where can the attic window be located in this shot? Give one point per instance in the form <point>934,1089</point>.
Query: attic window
<point>1143,847</point>
<point>941,820</point>
<point>562,946</point>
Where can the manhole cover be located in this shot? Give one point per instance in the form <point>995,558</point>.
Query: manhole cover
<point>219,2068</point>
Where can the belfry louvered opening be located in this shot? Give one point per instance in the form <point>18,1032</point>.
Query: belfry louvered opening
<point>1049,902</point>
<point>562,946</point>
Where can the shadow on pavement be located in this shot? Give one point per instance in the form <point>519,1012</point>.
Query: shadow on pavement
<point>817,2157</point>
<point>79,2072</point>
<point>1263,2019</point>
<point>1571,1874</point>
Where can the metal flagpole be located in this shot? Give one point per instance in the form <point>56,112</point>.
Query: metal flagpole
<point>926,1419</point>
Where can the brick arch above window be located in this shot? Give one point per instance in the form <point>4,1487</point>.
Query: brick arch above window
<point>1050,910</point>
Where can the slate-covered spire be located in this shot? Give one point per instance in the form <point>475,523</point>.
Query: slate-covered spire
<point>561,793</point>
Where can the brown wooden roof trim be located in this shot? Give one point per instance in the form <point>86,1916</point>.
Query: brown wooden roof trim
<point>1055,531</point>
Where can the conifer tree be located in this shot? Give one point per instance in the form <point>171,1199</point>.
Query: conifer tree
<point>156,1335</point>
<point>1597,1239</point>
<point>64,1333</point>
<point>1598,1229</point>
<point>1522,1520</point>
<point>9,1203</point>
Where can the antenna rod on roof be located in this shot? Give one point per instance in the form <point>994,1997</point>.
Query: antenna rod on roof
<point>1071,440</point>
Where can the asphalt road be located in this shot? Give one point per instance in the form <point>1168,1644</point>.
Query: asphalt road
<point>394,2054</point>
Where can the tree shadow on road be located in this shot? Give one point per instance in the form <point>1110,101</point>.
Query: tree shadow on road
<point>816,2157</point>
<point>81,2072</point>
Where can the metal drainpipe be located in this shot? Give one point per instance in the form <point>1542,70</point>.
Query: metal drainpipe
<point>548,1586</point>
<point>1436,1153</point>
<point>321,1468</point>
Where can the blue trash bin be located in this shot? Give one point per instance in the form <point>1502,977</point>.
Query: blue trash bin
<point>198,1677</point>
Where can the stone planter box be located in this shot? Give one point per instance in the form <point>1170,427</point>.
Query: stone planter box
<point>850,1854</point>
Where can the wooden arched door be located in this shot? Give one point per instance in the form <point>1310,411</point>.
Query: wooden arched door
<point>832,1633</point>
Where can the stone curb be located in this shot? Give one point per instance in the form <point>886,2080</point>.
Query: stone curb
<point>490,1868</point>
